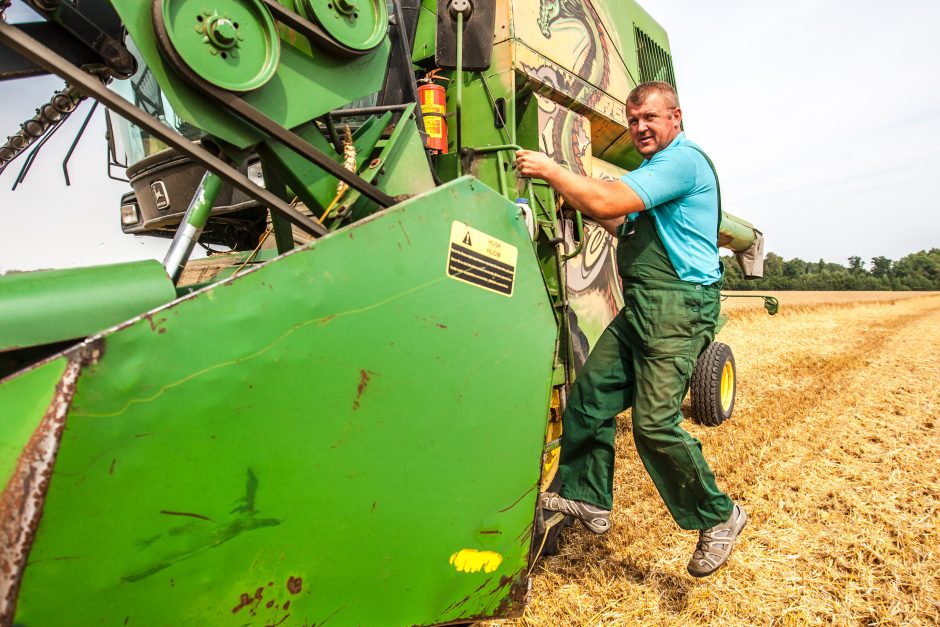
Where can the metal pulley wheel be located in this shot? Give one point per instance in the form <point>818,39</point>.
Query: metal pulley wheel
<point>357,24</point>
<point>232,44</point>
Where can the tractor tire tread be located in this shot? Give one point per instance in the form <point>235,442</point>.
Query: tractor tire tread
<point>706,386</point>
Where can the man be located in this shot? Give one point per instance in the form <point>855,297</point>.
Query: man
<point>665,214</point>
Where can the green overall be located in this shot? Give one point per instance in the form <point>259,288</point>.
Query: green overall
<point>644,360</point>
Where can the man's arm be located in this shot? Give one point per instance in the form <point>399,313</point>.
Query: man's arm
<point>605,201</point>
<point>610,225</point>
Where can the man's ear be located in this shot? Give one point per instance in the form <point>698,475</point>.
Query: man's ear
<point>677,114</point>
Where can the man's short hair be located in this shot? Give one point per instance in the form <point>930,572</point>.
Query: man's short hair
<point>641,92</point>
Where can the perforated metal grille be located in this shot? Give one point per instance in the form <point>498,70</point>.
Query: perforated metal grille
<point>655,62</point>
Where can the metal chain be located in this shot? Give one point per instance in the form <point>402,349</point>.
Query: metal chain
<point>54,112</point>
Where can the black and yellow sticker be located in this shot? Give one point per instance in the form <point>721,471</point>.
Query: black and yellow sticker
<point>480,259</point>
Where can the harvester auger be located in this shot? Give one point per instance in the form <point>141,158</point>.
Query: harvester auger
<point>350,421</point>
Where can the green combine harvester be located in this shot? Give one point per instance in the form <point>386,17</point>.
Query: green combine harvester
<point>346,419</point>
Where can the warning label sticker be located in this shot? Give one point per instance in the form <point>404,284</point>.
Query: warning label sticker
<point>481,260</point>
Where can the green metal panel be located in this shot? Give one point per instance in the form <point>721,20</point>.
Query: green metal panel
<point>23,402</point>
<point>426,33</point>
<point>345,434</point>
<point>623,16</point>
<point>53,305</point>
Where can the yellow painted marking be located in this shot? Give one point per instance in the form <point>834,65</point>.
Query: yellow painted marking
<point>473,561</point>
<point>727,385</point>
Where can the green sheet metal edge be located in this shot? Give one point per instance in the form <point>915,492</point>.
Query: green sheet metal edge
<point>43,394</point>
<point>53,305</point>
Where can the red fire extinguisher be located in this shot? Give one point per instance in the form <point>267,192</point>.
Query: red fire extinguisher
<point>433,101</point>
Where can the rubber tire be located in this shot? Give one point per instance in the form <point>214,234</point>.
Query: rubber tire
<point>706,385</point>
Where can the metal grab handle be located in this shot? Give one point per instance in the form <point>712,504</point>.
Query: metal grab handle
<point>579,236</point>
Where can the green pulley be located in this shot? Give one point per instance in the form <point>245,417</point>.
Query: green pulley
<point>357,24</point>
<point>232,44</point>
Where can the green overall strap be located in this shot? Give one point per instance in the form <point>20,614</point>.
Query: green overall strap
<point>717,185</point>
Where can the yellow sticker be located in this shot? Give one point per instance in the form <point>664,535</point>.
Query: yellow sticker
<point>434,123</point>
<point>473,561</point>
<point>481,260</point>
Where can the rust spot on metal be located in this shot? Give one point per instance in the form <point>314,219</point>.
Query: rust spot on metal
<point>253,601</point>
<point>440,326</point>
<point>126,618</point>
<point>405,233</point>
<point>327,319</point>
<point>294,584</point>
<point>506,509</point>
<point>280,622</point>
<point>491,532</point>
<point>244,601</point>
<point>199,516</point>
<point>24,496</point>
<point>456,604</point>
<point>373,506</point>
<point>155,324</point>
<point>286,605</point>
<point>111,467</point>
<point>364,377</point>
<point>511,604</point>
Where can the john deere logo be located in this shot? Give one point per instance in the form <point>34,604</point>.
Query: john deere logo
<point>160,196</point>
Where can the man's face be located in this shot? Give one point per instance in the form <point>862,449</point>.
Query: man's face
<point>653,124</point>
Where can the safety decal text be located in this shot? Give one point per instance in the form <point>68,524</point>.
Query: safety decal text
<point>481,260</point>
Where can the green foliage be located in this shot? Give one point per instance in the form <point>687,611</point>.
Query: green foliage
<point>917,271</point>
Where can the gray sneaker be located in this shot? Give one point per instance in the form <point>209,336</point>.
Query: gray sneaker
<point>714,545</point>
<point>593,517</point>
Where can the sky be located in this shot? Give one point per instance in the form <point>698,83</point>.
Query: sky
<point>822,117</point>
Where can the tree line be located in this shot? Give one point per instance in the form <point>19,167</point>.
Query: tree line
<point>917,271</point>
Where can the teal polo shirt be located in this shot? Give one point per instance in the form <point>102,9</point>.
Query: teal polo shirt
<point>678,188</point>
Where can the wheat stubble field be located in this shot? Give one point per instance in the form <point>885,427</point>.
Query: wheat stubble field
<point>834,450</point>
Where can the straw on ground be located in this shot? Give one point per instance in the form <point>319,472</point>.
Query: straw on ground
<point>834,449</point>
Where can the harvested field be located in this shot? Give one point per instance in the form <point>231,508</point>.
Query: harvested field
<point>834,450</point>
